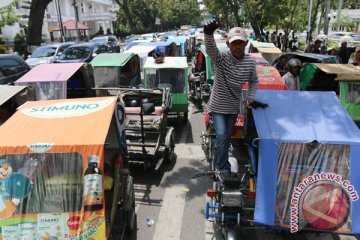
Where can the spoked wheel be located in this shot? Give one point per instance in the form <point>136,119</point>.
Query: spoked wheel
<point>130,216</point>
<point>170,148</point>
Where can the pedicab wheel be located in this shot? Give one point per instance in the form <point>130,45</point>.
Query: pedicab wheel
<point>185,118</point>
<point>170,148</point>
<point>130,216</point>
<point>231,234</point>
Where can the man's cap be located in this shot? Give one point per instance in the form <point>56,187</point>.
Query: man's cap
<point>318,41</point>
<point>237,33</point>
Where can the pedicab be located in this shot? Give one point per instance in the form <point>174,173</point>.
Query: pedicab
<point>63,171</point>
<point>12,97</point>
<point>59,81</point>
<point>269,78</point>
<point>340,78</point>
<point>268,50</point>
<point>301,172</point>
<point>116,70</point>
<point>172,74</point>
<point>150,141</point>
<point>202,62</point>
<point>307,148</point>
<point>143,52</point>
<point>259,59</point>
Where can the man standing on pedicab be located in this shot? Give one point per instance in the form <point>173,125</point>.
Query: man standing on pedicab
<point>232,70</point>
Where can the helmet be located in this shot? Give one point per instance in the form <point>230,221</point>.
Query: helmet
<point>159,57</point>
<point>294,62</point>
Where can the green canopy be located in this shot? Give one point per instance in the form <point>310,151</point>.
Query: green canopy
<point>111,59</point>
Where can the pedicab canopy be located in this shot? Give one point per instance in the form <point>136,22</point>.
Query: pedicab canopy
<point>203,60</point>
<point>259,59</point>
<point>57,81</point>
<point>172,74</point>
<point>143,52</point>
<point>48,185</point>
<point>116,70</point>
<point>308,170</point>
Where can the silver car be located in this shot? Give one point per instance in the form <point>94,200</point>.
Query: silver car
<point>47,53</point>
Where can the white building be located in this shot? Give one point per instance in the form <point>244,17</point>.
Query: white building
<point>93,13</point>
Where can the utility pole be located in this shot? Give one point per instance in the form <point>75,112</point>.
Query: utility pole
<point>309,22</point>
<point>76,21</point>
<point>338,15</point>
<point>58,11</point>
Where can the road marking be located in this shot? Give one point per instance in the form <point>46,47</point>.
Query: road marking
<point>171,214</point>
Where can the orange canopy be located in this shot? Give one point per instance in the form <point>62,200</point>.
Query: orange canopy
<point>65,122</point>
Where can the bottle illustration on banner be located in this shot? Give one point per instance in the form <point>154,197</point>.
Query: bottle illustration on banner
<point>93,191</point>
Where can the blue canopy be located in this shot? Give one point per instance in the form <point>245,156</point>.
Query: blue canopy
<point>308,174</point>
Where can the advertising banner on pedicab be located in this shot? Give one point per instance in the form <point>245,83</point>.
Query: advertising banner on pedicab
<point>51,170</point>
<point>308,169</point>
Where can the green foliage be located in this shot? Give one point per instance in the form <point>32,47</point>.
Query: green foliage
<point>122,30</point>
<point>101,31</point>
<point>108,31</point>
<point>2,42</point>
<point>7,14</point>
<point>20,44</point>
<point>2,50</point>
<point>332,44</point>
<point>140,15</point>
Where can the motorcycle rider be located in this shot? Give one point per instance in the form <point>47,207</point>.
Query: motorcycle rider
<point>232,69</point>
<point>291,78</point>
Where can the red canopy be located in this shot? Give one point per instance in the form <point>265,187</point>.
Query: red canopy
<point>70,25</point>
<point>269,78</point>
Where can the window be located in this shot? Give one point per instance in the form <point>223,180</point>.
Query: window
<point>55,178</point>
<point>44,52</point>
<point>76,53</point>
<point>11,67</point>
<point>172,78</point>
<point>353,93</point>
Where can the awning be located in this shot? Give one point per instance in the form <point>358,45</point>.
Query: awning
<point>50,72</point>
<point>70,25</point>
<point>111,59</point>
<point>7,92</point>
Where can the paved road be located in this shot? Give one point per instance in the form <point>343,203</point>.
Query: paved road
<point>175,202</point>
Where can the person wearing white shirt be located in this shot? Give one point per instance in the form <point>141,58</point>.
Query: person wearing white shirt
<point>292,78</point>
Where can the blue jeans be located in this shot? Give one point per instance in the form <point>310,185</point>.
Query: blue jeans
<point>223,124</point>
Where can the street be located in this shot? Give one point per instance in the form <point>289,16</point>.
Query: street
<point>170,204</point>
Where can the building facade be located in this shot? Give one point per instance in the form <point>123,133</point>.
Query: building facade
<point>92,13</point>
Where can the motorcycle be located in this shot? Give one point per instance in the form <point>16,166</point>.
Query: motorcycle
<point>199,89</point>
<point>232,198</point>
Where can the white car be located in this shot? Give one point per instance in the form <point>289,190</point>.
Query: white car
<point>47,53</point>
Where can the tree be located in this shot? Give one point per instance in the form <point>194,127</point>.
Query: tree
<point>20,44</point>
<point>139,15</point>
<point>36,18</point>
<point>7,14</point>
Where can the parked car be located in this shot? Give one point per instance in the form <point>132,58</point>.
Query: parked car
<point>111,40</point>
<point>82,52</point>
<point>12,67</point>
<point>47,54</point>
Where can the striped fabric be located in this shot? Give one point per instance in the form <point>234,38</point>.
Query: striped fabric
<point>226,98</point>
